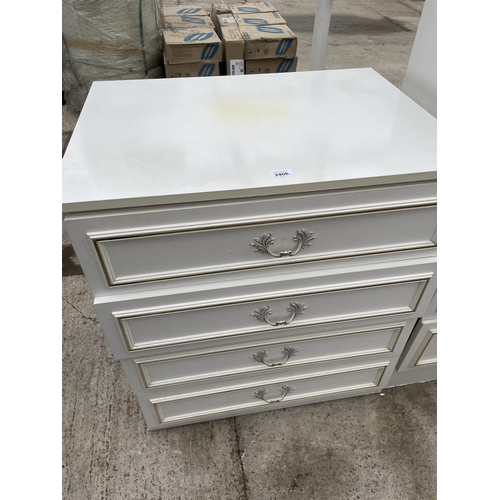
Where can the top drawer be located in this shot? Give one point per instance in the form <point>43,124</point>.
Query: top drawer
<point>123,249</point>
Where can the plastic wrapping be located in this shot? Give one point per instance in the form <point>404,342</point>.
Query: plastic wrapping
<point>108,40</point>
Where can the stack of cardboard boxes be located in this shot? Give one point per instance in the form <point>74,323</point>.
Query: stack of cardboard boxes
<point>255,37</point>
<point>235,39</point>
<point>191,46</point>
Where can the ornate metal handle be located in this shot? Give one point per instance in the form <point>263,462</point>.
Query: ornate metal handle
<point>295,308</point>
<point>261,356</point>
<point>263,243</point>
<point>261,394</point>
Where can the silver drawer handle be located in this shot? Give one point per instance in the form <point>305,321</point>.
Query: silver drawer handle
<point>261,356</point>
<point>263,243</point>
<point>262,313</point>
<point>261,394</point>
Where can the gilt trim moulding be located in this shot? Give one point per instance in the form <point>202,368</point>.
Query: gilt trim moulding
<point>380,367</point>
<point>305,215</point>
<point>131,345</point>
<point>99,241</point>
<point>142,364</point>
<point>258,342</point>
<point>262,209</point>
<point>417,362</point>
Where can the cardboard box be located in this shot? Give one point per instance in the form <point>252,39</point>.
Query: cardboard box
<point>191,45</point>
<point>171,22</point>
<point>261,19</point>
<point>286,65</point>
<point>269,42</point>
<point>234,51</point>
<point>192,69</point>
<point>252,8</point>
<point>226,21</point>
<point>183,10</point>
<point>218,9</point>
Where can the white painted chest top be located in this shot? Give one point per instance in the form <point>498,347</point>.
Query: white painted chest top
<point>254,242</point>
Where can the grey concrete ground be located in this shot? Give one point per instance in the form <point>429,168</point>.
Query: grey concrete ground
<point>370,447</point>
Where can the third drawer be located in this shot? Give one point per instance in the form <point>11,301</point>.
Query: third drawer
<point>264,354</point>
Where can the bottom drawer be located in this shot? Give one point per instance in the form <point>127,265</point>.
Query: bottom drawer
<point>331,382</point>
<point>305,346</point>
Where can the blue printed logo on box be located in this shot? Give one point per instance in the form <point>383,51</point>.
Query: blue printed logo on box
<point>193,20</point>
<point>249,20</point>
<point>248,10</point>
<point>189,11</point>
<point>206,69</point>
<point>283,47</point>
<point>209,51</point>
<point>270,29</point>
<point>284,66</point>
<point>198,37</point>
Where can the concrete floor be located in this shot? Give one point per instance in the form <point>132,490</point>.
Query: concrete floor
<point>370,447</point>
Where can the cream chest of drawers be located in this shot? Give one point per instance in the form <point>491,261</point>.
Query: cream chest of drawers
<point>255,242</point>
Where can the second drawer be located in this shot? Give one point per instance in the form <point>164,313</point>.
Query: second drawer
<point>137,326</point>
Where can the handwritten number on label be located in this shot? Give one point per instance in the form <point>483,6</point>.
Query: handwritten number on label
<point>281,173</point>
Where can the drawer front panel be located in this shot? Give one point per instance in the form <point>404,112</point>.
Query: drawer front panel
<point>175,254</point>
<point>348,343</point>
<point>431,312</point>
<point>144,249</point>
<point>426,353</point>
<point>170,327</point>
<point>183,408</point>
<point>429,352</point>
<point>421,350</point>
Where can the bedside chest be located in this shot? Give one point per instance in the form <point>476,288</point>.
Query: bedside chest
<point>256,242</point>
